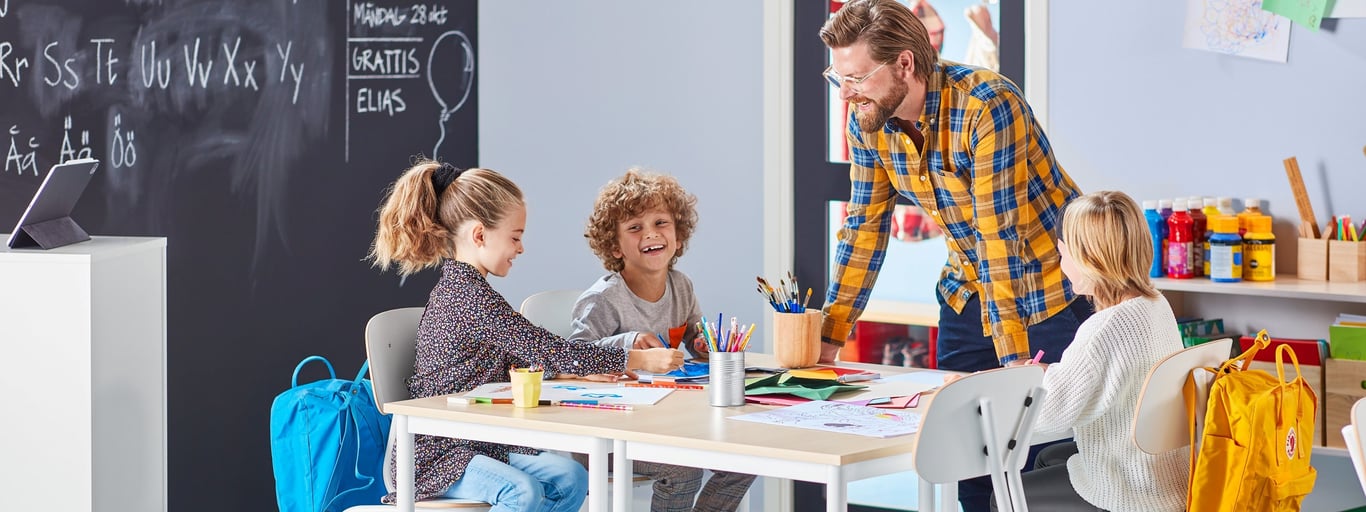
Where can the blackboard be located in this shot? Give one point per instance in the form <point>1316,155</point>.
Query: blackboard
<point>258,137</point>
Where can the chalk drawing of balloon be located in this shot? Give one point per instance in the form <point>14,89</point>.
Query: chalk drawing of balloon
<point>450,73</point>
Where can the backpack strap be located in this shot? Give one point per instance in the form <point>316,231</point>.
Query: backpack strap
<point>1280,366</point>
<point>294,381</point>
<point>1246,357</point>
<point>352,433</point>
<point>364,367</point>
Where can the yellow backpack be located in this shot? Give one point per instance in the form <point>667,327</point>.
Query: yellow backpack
<point>1253,454</point>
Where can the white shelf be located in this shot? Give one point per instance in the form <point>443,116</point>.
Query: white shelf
<point>1284,287</point>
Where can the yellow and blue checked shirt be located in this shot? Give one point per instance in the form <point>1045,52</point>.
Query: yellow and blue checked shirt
<point>988,178</point>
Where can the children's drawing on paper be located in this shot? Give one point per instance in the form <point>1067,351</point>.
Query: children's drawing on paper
<point>1236,27</point>
<point>840,417</point>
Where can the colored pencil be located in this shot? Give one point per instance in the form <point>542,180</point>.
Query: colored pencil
<point>662,385</point>
<point>611,407</point>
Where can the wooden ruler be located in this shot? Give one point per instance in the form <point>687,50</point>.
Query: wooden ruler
<point>1309,227</point>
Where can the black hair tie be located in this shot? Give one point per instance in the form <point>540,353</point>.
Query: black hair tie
<point>444,176</point>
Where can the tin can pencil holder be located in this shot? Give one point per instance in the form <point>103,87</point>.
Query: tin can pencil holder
<point>726,379</point>
<point>797,338</point>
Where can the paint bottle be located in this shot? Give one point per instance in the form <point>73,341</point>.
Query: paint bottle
<point>1199,238</point>
<point>1259,250</point>
<point>1225,205</point>
<point>1157,230</point>
<point>1211,210</point>
<point>1251,207</point>
<point>1180,237</point>
<point>1164,208</point>
<point>1225,250</point>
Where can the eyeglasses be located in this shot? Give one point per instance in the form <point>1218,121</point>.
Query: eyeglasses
<point>838,81</point>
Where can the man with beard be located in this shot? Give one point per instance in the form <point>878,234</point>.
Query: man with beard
<point>961,143</point>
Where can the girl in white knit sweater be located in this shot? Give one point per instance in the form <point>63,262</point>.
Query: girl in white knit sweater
<point>1093,389</point>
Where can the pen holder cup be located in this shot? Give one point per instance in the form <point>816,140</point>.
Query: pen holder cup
<point>1312,260</point>
<point>526,387</point>
<point>797,339</point>
<point>1346,260</point>
<point>726,379</point>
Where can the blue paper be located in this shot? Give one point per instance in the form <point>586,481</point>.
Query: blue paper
<point>691,369</point>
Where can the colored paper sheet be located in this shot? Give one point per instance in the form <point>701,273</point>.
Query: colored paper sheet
<point>1305,12</point>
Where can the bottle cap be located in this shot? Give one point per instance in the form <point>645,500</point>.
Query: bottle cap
<point>1225,202</point>
<point>1149,204</point>
<point>1164,203</point>
<point>1180,206</point>
<point>1224,224</point>
<point>1195,204</point>
<point>1259,224</point>
<point>1211,202</point>
<point>1252,203</point>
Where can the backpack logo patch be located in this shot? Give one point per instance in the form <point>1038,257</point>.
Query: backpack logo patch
<point>1290,442</point>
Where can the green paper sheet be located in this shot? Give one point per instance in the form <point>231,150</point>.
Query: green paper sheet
<point>814,389</point>
<point>1305,12</point>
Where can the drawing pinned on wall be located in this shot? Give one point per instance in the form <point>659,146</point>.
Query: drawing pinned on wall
<point>1236,27</point>
<point>451,77</point>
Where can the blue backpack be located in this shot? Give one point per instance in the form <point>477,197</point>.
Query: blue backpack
<point>327,442</point>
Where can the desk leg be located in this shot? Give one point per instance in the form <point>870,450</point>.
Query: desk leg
<point>405,464</point>
<point>598,500</point>
<point>926,495</point>
<point>623,484</point>
<point>836,494</point>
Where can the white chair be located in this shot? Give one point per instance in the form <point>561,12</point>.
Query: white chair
<point>391,346</point>
<point>1355,436</point>
<point>1159,424</point>
<point>979,425</point>
<point>552,310</point>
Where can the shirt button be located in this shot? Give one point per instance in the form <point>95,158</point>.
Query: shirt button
<point>966,262</point>
<point>923,177</point>
<point>934,213</point>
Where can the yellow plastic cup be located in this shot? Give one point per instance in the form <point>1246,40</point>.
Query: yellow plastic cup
<point>526,387</point>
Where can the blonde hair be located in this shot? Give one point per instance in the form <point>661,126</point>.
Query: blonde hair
<point>1106,234</point>
<point>888,27</point>
<point>417,228</point>
<point>631,195</point>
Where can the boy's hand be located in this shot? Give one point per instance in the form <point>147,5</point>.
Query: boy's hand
<point>654,360</point>
<point>646,340</point>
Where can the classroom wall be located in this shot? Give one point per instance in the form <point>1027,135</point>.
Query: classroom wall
<point>574,93</point>
<point>1130,109</point>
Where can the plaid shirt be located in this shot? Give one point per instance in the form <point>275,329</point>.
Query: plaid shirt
<point>989,179</point>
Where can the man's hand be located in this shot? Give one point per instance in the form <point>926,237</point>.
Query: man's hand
<point>829,353</point>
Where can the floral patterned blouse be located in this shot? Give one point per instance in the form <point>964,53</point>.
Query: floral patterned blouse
<point>470,336</point>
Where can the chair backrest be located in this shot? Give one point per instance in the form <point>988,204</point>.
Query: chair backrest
<point>552,310</point>
<point>953,431</point>
<point>391,346</point>
<point>1160,423</point>
<point>1354,433</point>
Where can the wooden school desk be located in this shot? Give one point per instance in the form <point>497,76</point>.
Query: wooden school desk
<point>681,429</point>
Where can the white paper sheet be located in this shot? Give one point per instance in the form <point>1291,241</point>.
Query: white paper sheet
<point>840,417</point>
